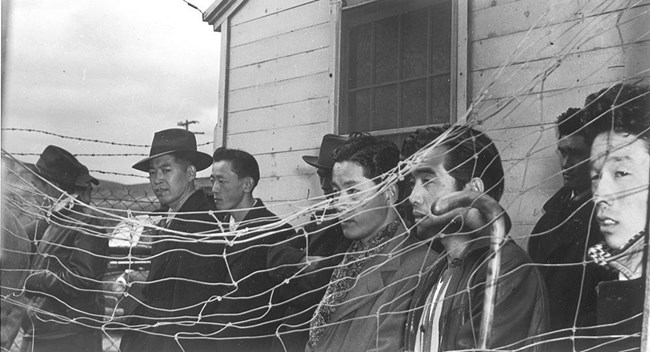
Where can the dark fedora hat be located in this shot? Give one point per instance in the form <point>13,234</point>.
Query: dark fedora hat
<point>57,165</point>
<point>175,141</point>
<point>324,159</point>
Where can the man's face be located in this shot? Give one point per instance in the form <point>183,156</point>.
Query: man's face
<point>430,181</point>
<point>325,177</point>
<point>574,152</point>
<point>619,182</point>
<point>171,180</point>
<point>227,188</point>
<point>363,211</point>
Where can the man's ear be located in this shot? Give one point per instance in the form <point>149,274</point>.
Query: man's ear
<point>391,194</point>
<point>191,172</point>
<point>476,185</point>
<point>249,184</point>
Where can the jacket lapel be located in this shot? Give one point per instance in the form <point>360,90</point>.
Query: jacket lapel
<point>372,281</point>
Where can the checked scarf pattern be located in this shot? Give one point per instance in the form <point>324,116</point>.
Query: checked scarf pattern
<point>608,257</point>
<point>344,278</point>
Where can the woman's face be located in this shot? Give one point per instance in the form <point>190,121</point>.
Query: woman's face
<point>619,182</point>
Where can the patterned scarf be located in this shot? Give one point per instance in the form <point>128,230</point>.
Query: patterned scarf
<point>608,257</point>
<point>345,276</point>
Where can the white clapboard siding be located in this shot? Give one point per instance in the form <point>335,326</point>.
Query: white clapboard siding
<point>256,9</point>
<point>280,69</point>
<point>279,116</point>
<point>286,163</point>
<point>302,137</point>
<point>575,36</point>
<point>575,49</point>
<point>524,14</point>
<point>297,41</point>
<point>276,190</point>
<point>303,16</point>
<point>280,85</point>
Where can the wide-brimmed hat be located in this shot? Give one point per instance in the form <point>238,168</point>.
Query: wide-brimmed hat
<point>59,166</point>
<point>175,141</point>
<point>324,159</point>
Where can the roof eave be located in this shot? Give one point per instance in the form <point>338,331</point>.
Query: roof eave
<point>217,13</point>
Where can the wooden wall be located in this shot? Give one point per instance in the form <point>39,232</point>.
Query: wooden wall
<point>279,92</point>
<point>529,61</point>
<point>537,59</point>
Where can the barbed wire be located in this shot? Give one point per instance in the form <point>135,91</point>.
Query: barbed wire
<point>32,130</point>
<point>135,215</point>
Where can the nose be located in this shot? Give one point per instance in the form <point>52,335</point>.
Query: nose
<point>602,190</point>
<point>156,177</point>
<point>565,162</point>
<point>415,198</point>
<point>326,185</point>
<point>215,187</point>
<point>341,201</point>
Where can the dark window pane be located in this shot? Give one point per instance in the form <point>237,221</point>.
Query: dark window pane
<point>441,38</point>
<point>414,103</point>
<point>385,108</point>
<point>386,50</point>
<point>360,56</point>
<point>359,113</point>
<point>414,54</point>
<point>440,87</point>
<point>398,66</point>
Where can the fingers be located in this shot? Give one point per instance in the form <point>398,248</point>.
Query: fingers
<point>457,202</point>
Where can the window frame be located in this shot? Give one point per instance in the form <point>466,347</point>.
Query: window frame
<point>383,9</point>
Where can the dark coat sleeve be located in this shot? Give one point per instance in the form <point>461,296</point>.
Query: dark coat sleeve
<point>521,309</point>
<point>84,268</point>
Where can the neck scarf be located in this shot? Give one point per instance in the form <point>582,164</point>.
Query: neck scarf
<point>621,260</point>
<point>345,276</point>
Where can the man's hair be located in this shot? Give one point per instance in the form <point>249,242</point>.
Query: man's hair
<point>622,108</point>
<point>571,123</point>
<point>242,163</point>
<point>471,154</point>
<point>376,156</point>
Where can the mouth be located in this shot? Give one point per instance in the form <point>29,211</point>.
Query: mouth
<point>159,191</point>
<point>606,222</point>
<point>418,215</point>
<point>346,222</point>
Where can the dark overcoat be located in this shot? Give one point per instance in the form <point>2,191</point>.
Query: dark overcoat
<point>248,312</point>
<point>302,292</point>
<point>186,272</point>
<point>67,269</point>
<point>559,242</point>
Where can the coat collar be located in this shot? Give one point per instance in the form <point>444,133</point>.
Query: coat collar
<point>379,271</point>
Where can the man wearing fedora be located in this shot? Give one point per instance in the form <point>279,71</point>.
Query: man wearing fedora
<point>69,263</point>
<point>314,253</point>
<point>186,267</point>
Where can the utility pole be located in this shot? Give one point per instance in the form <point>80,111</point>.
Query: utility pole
<point>187,124</point>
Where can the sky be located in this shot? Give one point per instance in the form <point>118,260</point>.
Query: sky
<point>114,71</point>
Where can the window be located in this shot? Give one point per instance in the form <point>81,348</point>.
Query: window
<point>396,66</point>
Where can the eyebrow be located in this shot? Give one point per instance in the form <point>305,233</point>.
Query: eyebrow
<point>424,169</point>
